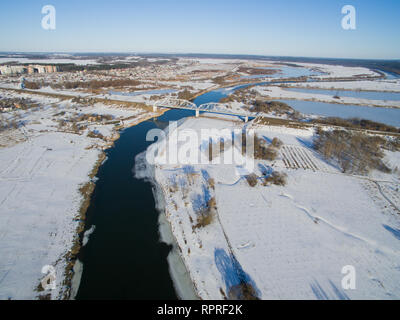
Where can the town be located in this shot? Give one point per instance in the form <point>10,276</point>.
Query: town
<point>30,69</point>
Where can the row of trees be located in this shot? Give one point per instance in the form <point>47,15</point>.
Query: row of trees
<point>357,124</point>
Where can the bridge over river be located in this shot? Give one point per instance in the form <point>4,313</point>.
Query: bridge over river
<point>213,107</point>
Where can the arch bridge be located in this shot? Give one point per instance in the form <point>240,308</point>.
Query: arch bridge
<point>213,107</point>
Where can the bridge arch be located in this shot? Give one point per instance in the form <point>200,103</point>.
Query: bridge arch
<point>212,107</point>
<point>174,103</point>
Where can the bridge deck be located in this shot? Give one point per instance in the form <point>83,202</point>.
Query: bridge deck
<point>227,112</point>
<point>220,108</point>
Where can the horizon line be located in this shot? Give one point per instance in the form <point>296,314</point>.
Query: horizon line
<point>194,54</point>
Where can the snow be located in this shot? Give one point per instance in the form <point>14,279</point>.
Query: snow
<point>375,85</point>
<point>197,85</point>
<point>211,61</point>
<point>39,203</point>
<point>275,92</point>
<point>288,242</point>
<point>292,253</point>
<point>63,92</point>
<point>337,71</point>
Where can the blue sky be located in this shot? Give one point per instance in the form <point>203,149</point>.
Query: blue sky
<point>265,27</point>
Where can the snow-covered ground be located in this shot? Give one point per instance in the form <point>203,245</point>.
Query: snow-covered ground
<point>366,85</point>
<point>275,92</point>
<point>217,61</point>
<point>39,207</point>
<point>197,85</point>
<point>332,71</point>
<point>139,98</point>
<point>40,196</point>
<point>287,242</point>
<point>329,71</point>
<point>143,97</point>
<point>337,71</point>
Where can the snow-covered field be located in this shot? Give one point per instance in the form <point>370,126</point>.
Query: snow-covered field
<point>287,242</point>
<point>337,71</point>
<point>330,71</point>
<point>197,85</point>
<point>40,196</point>
<point>275,92</point>
<point>141,97</point>
<point>366,85</point>
<point>39,207</point>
